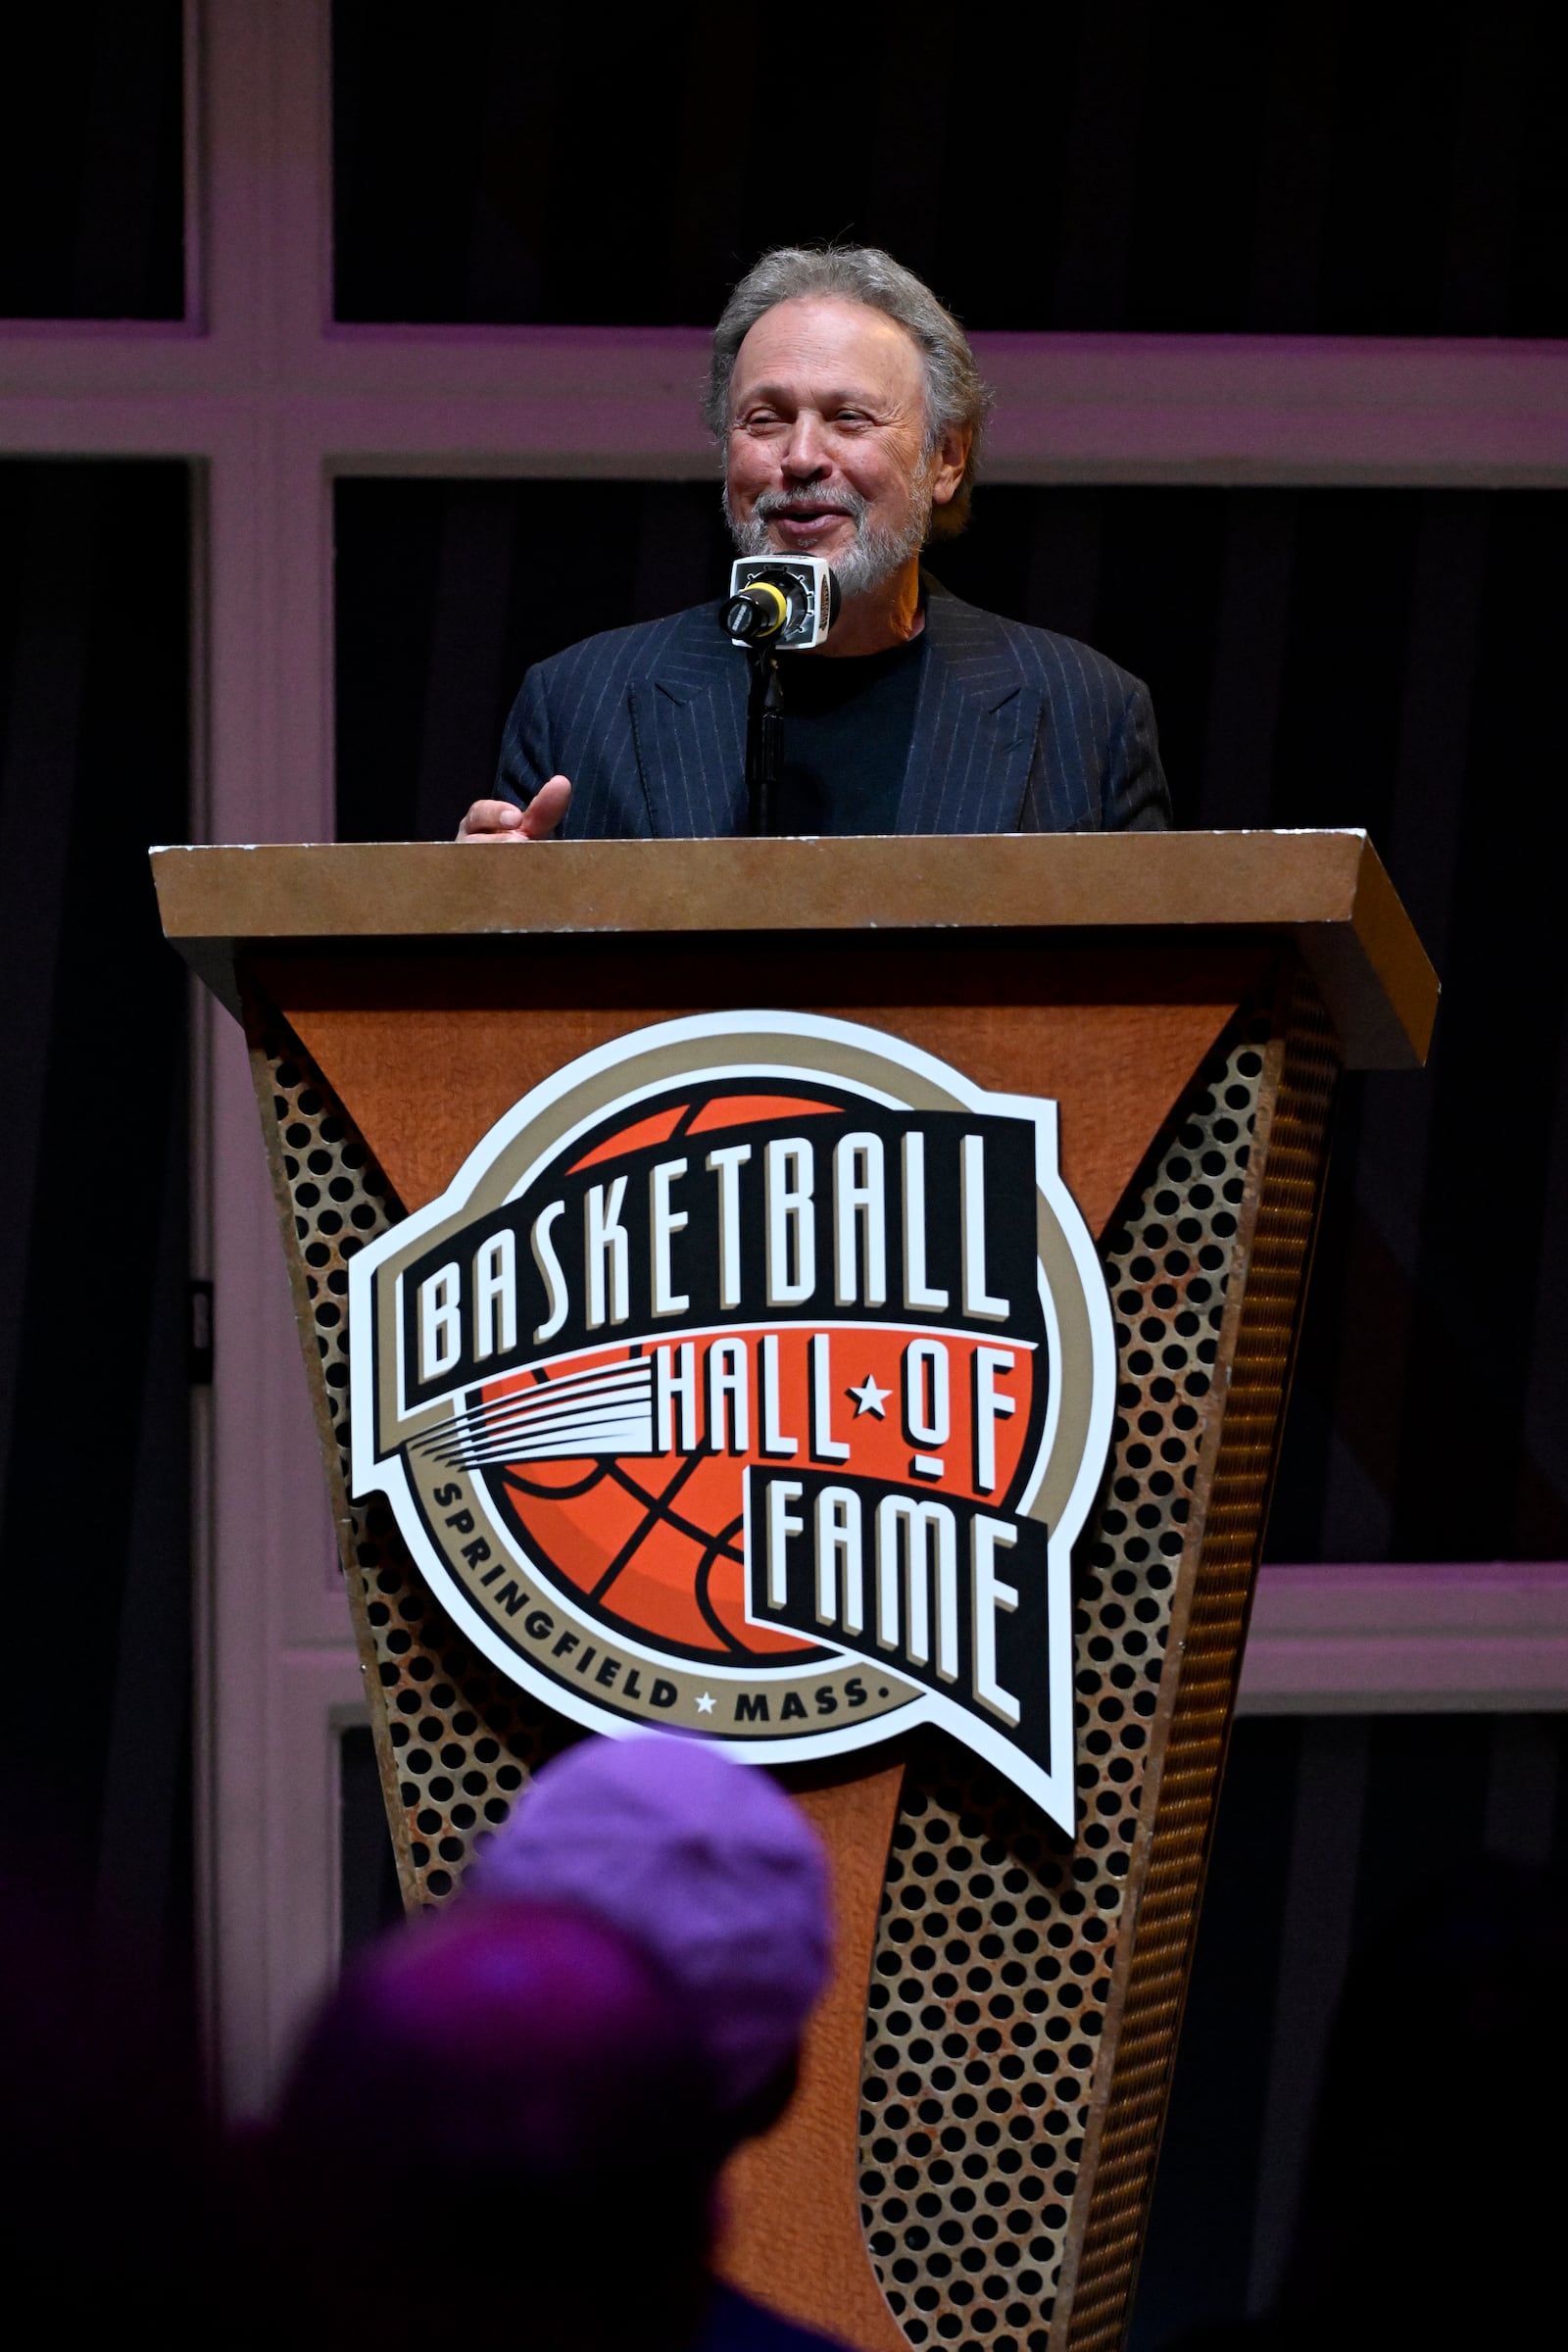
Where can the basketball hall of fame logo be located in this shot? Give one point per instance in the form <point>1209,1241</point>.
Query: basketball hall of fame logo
<point>752,1379</point>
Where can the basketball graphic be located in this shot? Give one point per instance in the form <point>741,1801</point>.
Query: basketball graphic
<point>751,1379</point>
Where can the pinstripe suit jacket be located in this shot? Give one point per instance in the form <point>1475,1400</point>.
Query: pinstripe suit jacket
<point>1015,731</point>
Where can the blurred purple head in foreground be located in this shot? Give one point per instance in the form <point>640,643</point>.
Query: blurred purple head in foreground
<point>500,2113</point>
<point>706,1865</point>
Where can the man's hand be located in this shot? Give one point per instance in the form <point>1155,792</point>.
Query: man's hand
<point>503,820</point>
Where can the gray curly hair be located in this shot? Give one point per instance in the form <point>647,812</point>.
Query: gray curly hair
<point>955,392</point>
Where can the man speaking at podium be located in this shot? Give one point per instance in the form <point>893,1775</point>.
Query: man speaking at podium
<point>848,407</point>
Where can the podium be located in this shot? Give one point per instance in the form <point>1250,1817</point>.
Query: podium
<point>971,2153</point>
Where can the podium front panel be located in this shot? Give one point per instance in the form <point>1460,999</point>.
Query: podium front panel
<point>970,2155</point>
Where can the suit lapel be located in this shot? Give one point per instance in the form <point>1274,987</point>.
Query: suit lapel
<point>689,724</point>
<point>976,724</point>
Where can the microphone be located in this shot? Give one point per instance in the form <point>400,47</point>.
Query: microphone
<point>786,604</point>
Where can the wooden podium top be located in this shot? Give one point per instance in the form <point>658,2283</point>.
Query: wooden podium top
<point>1327,891</point>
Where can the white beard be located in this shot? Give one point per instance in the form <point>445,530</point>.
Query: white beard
<point>872,557</point>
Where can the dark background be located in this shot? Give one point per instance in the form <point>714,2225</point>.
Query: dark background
<point>1317,166</point>
<point>1325,656</point>
<point>91,137</point>
<point>94,1401</point>
<point>1313,167</point>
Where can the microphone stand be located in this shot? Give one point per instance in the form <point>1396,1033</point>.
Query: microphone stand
<point>764,737</point>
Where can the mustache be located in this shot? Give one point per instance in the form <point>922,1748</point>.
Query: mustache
<point>770,504</point>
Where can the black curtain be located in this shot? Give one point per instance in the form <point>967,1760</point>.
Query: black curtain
<point>91,161</point>
<point>1316,166</point>
<point>94,1393</point>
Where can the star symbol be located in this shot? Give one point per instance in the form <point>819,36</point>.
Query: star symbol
<point>868,1397</point>
<point>705,1705</point>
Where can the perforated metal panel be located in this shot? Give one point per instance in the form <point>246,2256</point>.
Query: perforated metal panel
<point>991,1980</point>
<point>462,1738</point>
<point>1019,2034</point>
<point>1208,1626</point>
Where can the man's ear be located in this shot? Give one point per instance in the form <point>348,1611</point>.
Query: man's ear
<point>948,461</point>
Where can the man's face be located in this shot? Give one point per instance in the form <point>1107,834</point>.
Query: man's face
<point>826,453</point>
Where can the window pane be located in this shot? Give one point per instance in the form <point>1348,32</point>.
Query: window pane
<point>1317,657</point>
<point>1375,1884</point>
<point>94,1365</point>
<point>1309,167</point>
<point>90,161</point>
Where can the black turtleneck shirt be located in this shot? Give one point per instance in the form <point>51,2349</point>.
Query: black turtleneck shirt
<point>847,729</point>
